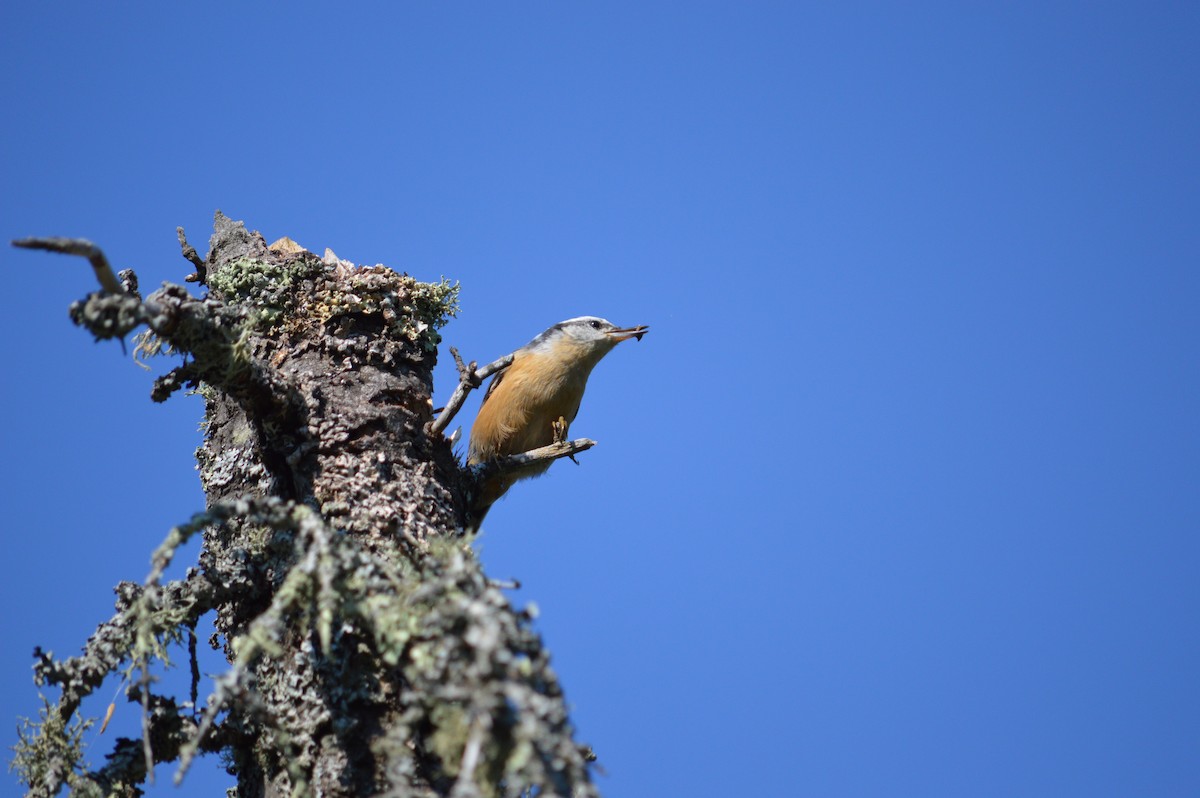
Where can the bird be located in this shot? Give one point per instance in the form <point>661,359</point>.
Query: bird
<point>533,402</point>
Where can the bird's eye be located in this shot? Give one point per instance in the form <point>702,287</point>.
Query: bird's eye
<point>595,325</point>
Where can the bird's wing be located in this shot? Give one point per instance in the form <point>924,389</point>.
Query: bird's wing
<point>492,386</point>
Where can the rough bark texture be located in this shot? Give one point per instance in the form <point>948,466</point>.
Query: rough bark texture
<point>368,652</point>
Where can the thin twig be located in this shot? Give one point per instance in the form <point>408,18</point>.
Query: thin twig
<point>147,749</point>
<point>193,257</point>
<point>464,370</point>
<point>194,694</point>
<point>470,378</point>
<point>83,248</point>
<point>544,454</point>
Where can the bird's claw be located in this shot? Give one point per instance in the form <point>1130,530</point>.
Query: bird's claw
<point>559,429</point>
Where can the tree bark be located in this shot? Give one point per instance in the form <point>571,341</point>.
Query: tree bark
<point>369,654</point>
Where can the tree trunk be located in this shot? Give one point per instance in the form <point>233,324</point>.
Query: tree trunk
<point>369,653</point>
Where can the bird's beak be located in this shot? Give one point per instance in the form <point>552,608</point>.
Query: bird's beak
<point>625,333</point>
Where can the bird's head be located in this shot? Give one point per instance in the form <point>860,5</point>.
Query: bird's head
<point>590,336</point>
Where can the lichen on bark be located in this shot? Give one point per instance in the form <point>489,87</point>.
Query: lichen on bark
<point>369,653</point>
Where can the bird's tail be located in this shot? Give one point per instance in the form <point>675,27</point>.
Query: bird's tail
<point>488,492</point>
<point>475,517</point>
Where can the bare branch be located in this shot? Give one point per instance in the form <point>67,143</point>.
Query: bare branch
<point>544,454</point>
<point>464,370</point>
<point>470,378</point>
<point>147,745</point>
<point>83,248</point>
<point>193,257</point>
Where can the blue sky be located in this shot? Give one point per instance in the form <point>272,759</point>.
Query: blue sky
<point>900,494</point>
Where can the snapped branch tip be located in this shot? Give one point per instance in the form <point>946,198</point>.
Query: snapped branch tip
<point>82,248</point>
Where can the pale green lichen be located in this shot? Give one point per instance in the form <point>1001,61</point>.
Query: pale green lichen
<point>246,278</point>
<point>480,690</point>
<point>49,751</point>
<point>410,309</point>
<point>146,344</point>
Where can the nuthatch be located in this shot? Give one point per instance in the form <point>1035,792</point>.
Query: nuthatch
<point>524,403</point>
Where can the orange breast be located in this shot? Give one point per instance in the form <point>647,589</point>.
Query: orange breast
<point>518,415</point>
